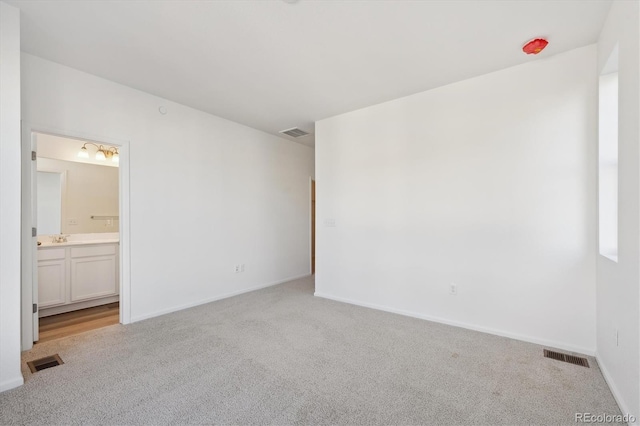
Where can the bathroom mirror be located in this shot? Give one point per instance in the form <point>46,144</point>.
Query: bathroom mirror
<point>49,209</point>
<point>76,198</point>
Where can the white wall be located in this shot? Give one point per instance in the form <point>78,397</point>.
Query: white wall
<point>10,375</point>
<point>618,296</point>
<point>608,165</point>
<point>206,193</point>
<point>488,183</point>
<point>91,190</point>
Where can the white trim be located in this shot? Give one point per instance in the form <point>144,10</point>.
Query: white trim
<point>516,336</point>
<point>310,225</point>
<point>624,408</point>
<point>215,298</point>
<point>10,384</point>
<point>55,310</point>
<point>125,233</point>
<point>26,251</point>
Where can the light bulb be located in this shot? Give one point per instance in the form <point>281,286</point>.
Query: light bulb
<point>100,156</point>
<point>83,153</point>
<point>115,157</point>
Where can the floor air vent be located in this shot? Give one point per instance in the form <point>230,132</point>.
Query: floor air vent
<point>571,359</point>
<point>44,363</point>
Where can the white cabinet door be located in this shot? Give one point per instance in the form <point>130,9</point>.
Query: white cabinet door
<point>51,282</point>
<point>93,277</point>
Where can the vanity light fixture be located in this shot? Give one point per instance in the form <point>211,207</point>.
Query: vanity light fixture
<point>103,153</point>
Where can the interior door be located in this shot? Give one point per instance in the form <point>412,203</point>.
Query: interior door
<point>34,236</point>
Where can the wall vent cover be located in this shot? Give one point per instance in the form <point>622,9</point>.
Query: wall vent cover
<point>44,363</point>
<point>294,132</point>
<point>571,359</point>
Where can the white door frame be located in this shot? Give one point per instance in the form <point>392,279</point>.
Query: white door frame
<point>311,225</point>
<point>28,262</point>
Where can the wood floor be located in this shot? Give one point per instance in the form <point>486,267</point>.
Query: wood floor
<point>70,323</point>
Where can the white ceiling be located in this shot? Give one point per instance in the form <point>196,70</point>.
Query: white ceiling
<point>273,65</point>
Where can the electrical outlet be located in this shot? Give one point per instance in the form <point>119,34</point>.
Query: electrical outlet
<point>331,223</point>
<point>453,289</point>
<point>72,222</point>
<point>238,269</point>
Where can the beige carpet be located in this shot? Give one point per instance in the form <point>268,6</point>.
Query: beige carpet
<point>281,356</point>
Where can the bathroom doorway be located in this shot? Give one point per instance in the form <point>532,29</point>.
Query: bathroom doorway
<point>73,258</point>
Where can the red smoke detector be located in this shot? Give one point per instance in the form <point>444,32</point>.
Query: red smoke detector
<point>535,46</point>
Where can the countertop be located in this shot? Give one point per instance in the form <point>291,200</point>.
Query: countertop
<point>80,239</point>
<point>49,244</point>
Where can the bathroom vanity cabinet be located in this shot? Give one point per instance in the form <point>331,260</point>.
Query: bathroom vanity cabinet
<point>77,276</point>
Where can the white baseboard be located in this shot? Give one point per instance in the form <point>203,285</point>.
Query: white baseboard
<point>213,299</point>
<point>624,408</point>
<point>10,384</point>
<point>45,312</point>
<point>516,336</point>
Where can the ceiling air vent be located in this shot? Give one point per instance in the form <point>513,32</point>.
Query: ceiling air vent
<point>294,132</point>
